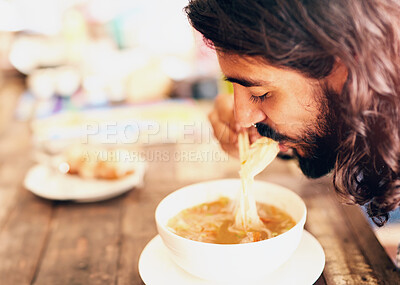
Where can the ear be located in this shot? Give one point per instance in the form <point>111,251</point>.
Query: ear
<point>338,76</point>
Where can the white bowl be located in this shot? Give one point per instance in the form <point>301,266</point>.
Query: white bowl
<point>230,262</point>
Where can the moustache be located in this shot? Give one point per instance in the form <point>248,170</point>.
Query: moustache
<point>266,131</point>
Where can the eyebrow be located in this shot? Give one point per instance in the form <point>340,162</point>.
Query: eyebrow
<point>246,82</point>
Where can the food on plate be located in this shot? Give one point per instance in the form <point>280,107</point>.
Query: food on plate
<point>100,163</point>
<point>214,222</point>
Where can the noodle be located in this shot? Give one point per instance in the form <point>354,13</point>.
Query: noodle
<point>253,159</point>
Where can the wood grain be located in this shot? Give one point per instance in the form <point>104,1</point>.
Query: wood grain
<point>10,185</point>
<point>23,238</point>
<point>83,245</point>
<point>373,251</point>
<point>138,224</point>
<point>24,218</point>
<point>345,262</point>
<point>14,162</point>
<point>320,281</point>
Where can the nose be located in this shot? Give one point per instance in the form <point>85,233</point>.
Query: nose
<point>246,111</point>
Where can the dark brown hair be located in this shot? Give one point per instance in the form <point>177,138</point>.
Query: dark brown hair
<point>309,36</point>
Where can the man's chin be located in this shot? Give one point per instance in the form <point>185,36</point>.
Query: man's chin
<point>315,167</point>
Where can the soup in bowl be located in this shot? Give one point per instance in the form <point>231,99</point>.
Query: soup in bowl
<point>236,261</point>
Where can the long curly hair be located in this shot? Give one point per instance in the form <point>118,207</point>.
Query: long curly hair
<point>309,36</point>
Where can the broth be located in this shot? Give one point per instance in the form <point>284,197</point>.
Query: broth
<point>214,223</point>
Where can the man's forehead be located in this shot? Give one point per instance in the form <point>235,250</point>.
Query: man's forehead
<point>254,71</point>
<point>244,70</point>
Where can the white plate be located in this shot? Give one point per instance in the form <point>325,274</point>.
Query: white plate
<point>303,268</point>
<point>49,183</point>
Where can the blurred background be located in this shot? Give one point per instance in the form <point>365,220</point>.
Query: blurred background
<point>76,56</point>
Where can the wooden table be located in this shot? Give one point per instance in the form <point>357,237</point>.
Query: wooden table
<point>45,242</point>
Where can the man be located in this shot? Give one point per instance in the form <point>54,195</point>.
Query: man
<point>322,77</point>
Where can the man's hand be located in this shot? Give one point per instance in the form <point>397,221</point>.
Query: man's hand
<point>225,126</point>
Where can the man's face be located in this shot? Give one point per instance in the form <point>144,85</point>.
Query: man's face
<point>289,107</point>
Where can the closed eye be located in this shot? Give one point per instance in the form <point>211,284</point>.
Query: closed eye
<point>259,99</point>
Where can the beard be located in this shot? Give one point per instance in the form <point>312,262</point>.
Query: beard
<point>319,142</point>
